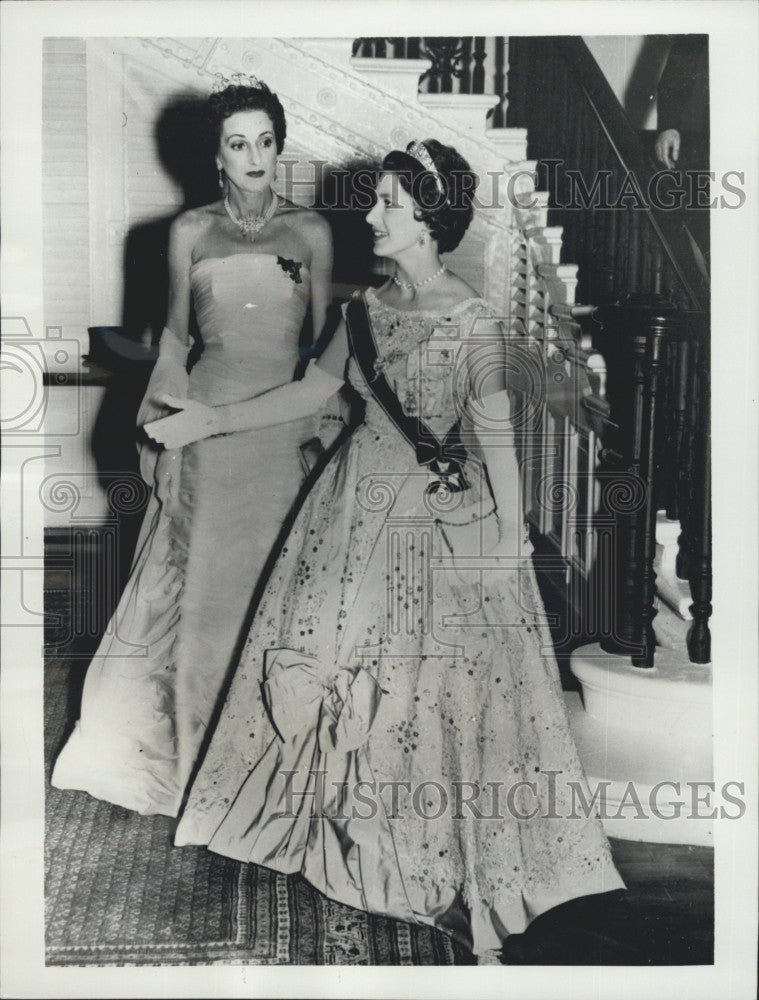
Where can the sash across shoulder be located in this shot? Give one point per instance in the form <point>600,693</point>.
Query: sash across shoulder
<point>444,458</point>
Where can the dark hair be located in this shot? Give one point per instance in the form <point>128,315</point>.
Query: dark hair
<point>236,98</point>
<point>443,202</point>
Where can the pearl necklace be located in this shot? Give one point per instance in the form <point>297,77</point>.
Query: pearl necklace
<point>410,285</point>
<point>251,225</point>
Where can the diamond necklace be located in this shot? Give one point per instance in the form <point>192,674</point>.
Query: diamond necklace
<point>409,285</point>
<point>251,225</point>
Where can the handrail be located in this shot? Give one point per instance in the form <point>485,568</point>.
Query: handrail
<point>480,65</point>
<point>625,141</point>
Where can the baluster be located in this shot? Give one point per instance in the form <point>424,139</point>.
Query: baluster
<point>364,47</point>
<point>666,463</point>
<point>501,83</point>
<point>636,345</point>
<point>652,401</point>
<point>627,623</point>
<point>685,469</point>
<point>445,54</point>
<point>479,55</point>
<point>680,401</point>
<point>623,378</point>
<point>465,77</point>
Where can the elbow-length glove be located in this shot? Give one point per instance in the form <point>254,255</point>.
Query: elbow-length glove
<point>278,406</point>
<point>497,440</point>
<point>169,377</point>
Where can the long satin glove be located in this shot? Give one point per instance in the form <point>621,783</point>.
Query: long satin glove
<point>169,377</point>
<point>278,406</point>
<point>496,437</point>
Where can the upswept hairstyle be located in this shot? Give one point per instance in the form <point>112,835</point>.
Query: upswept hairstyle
<point>236,98</point>
<point>443,201</point>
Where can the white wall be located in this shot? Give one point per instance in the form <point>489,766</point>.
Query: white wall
<point>65,193</point>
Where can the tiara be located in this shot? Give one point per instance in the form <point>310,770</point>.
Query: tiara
<point>421,154</point>
<point>221,82</point>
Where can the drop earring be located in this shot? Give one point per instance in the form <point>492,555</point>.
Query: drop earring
<point>221,178</point>
<point>422,241</point>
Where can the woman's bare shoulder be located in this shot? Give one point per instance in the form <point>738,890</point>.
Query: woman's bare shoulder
<point>306,221</point>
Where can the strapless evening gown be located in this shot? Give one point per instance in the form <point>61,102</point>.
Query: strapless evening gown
<point>154,682</point>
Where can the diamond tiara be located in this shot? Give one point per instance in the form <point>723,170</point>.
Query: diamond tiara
<point>421,154</point>
<point>221,82</point>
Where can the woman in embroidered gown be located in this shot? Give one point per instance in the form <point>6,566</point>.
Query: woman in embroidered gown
<point>395,730</point>
<point>251,263</point>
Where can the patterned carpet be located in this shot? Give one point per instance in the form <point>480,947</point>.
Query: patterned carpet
<point>119,893</point>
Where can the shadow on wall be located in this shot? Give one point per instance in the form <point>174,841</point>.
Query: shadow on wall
<point>184,148</point>
<point>344,198</point>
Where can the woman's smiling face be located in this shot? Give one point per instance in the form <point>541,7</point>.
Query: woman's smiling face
<point>248,150</point>
<point>392,218</point>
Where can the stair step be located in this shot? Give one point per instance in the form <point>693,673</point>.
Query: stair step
<point>674,696</point>
<point>401,76</point>
<point>466,111</point>
<point>511,142</point>
<point>649,788</point>
<point>639,728</point>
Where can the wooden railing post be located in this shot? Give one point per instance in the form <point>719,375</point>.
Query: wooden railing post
<point>658,378</point>
<point>633,345</point>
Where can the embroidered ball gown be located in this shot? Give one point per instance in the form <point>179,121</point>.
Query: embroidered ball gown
<point>391,672</point>
<point>155,678</point>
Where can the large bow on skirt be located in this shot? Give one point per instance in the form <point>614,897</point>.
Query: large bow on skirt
<point>300,693</point>
<point>296,810</point>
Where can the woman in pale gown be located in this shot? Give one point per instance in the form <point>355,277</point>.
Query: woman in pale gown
<point>251,263</point>
<point>395,730</point>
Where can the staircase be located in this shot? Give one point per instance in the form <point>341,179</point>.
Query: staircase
<point>645,736</point>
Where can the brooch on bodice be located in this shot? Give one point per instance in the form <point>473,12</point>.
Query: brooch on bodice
<point>291,267</point>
